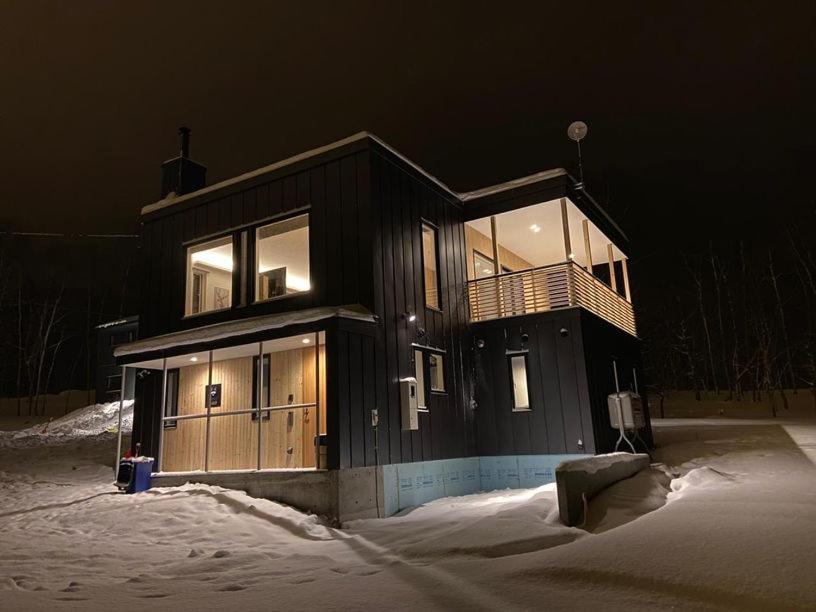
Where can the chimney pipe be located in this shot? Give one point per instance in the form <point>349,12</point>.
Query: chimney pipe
<point>181,174</point>
<point>184,132</point>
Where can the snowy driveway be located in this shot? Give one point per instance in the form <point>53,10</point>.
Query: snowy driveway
<point>737,533</point>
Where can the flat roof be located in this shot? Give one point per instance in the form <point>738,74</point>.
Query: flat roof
<point>240,327</point>
<point>173,199</point>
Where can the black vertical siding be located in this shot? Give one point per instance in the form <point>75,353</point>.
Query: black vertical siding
<point>603,343</point>
<point>400,200</point>
<point>366,207</point>
<point>336,194</point>
<point>558,421</point>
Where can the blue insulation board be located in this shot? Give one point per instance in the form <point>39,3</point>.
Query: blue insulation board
<point>411,484</point>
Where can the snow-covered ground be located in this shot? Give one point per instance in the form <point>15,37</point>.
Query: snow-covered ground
<point>729,522</point>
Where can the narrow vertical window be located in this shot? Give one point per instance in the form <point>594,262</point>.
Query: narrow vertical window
<point>264,387</point>
<point>171,398</point>
<point>429,265</point>
<point>518,379</point>
<point>419,369</point>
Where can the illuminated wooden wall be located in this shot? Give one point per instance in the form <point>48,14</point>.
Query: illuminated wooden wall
<point>287,441</point>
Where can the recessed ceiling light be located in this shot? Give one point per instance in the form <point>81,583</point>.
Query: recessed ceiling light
<point>305,341</point>
<point>535,228</point>
<point>193,358</point>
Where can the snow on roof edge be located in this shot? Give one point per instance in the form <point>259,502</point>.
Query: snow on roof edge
<point>168,201</point>
<point>172,199</point>
<point>507,185</point>
<point>228,329</point>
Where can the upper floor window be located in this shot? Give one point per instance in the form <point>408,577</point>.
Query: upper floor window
<point>429,264</point>
<point>209,276</point>
<point>282,258</point>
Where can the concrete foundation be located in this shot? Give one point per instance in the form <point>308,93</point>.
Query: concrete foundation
<point>370,492</point>
<point>580,478</point>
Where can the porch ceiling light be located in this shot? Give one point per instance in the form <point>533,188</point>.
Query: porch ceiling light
<point>193,358</point>
<point>305,341</point>
<point>535,228</point>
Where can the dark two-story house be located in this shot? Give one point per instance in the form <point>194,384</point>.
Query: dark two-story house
<point>342,332</point>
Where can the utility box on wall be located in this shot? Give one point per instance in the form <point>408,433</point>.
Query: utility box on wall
<point>630,406</point>
<point>409,403</point>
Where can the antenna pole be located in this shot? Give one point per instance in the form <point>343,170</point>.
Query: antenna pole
<point>580,164</point>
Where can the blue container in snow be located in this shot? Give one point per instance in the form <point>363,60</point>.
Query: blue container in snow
<point>134,474</point>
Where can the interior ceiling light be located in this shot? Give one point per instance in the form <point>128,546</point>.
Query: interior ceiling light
<point>535,228</point>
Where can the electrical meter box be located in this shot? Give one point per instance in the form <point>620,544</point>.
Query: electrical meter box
<point>409,403</point>
<point>631,408</point>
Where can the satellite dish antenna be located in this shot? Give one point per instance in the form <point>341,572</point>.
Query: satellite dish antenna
<point>577,131</point>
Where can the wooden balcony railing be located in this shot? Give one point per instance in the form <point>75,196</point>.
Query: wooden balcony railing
<point>560,285</point>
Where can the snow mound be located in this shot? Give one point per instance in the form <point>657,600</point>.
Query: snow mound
<point>595,463</point>
<point>297,523</point>
<point>84,422</point>
<point>698,478</point>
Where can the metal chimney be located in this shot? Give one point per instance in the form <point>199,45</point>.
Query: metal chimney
<point>184,132</point>
<point>181,174</point>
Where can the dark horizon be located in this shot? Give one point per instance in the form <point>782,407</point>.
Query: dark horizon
<point>701,131</point>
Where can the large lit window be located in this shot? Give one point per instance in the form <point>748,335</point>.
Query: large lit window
<point>209,276</point>
<point>429,265</point>
<point>518,379</point>
<point>282,258</point>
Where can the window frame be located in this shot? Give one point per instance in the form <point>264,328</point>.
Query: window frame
<point>256,254</point>
<point>427,390</point>
<point>189,271</point>
<point>477,253</point>
<point>266,367</point>
<point>423,223</point>
<point>173,373</point>
<point>510,356</point>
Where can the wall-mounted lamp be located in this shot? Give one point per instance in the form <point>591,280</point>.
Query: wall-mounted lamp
<point>480,344</point>
<point>409,316</point>
<point>525,337</point>
<point>564,332</point>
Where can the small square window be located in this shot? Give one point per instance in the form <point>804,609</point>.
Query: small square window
<point>430,375</point>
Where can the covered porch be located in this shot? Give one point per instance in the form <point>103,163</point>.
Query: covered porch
<point>542,257</point>
<point>252,406</point>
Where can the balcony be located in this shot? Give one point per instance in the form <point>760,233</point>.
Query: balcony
<point>551,287</point>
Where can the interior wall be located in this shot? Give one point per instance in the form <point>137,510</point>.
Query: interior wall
<point>287,436</point>
<point>477,241</point>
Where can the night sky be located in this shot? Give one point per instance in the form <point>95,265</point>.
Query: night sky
<point>701,119</point>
